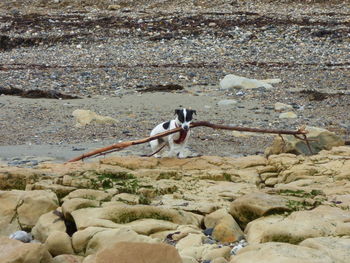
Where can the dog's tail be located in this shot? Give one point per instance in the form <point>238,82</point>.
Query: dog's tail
<point>157,151</point>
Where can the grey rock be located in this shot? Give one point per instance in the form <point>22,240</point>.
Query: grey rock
<point>22,236</point>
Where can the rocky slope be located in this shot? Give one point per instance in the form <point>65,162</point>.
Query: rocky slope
<point>283,208</point>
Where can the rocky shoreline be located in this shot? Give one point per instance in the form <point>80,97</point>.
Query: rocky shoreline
<point>79,75</point>
<point>113,56</point>
<point>284,208</point>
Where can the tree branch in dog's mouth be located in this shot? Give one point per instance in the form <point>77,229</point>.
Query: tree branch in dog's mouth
<point>119,146</point>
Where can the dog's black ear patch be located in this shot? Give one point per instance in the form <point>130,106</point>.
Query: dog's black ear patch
<point>189,114</point>
<point>180,115</point>
<point>166,125</point>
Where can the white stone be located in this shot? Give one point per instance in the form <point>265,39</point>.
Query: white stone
<point>227,102</point>
<point>233,81</point>
<point>287,115</point>
<point>84,117</point>
<point>282,106</point>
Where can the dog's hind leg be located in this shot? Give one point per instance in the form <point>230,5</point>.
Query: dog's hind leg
<point>158,150</point>
<point>157,146</point>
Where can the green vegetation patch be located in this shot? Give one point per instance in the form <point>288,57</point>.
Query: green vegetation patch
<point>169,175</point>
<point>131,216</point>
<point>124,181</point>
<point>301,193</point>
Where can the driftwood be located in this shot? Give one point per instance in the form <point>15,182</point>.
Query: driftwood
<point>119,146</point>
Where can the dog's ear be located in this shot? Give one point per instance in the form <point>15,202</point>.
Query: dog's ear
<point>177,111</point>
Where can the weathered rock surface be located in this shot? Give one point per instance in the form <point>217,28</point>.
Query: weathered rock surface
<point>322,221</point>
<point>127,252</point>
<point>113,216</point>
<point>59,243</point>
<point>338,248</point>
<point>47,224</point>
<point>92,239</point>
<point>225,228</point>
<point>252,206</point>
<point>320,139</point>
<point>233,81</point>
<point>85,117</point>
<point>67,259</point>
<point>17,178</point>
<point>283,197</point>
<point>13,251</point>
<point>21,209</point>
<point>274,252</point>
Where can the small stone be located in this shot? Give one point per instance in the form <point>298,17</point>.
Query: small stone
<point>208,231</point>
<point>282,107</point>
<point>233,81</point>
<point>22,236</point>
<point>287,115</point>
<point>227,102</point>
<point>236,248</point>
<point>85,117</point>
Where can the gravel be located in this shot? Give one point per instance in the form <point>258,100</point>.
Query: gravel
<point>104,56</point>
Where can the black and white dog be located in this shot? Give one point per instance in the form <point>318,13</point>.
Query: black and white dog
<point>177,141</point>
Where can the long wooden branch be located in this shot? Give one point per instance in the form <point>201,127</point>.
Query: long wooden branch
<point>122,145</point>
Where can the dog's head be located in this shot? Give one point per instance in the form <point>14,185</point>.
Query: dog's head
<point>184,117</point>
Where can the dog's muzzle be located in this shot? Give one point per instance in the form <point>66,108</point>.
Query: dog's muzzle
<point>186,127</point>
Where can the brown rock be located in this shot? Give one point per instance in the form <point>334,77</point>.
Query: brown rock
<point>131,162</point>
<point>322,221</point>
<point>71,205</point>
<point>17,178</point>
<point>47,224</point>
<point>255,205</point>
<point>24,208</point>
<point>274,252</point>
<point>112,216</point>
<point>59,243</point>
<point>14,251</point>
<point>320,139</point>
<point>335,247</point>
<point>225,227</point>
<point>92,239</point>
<point>132,252</point>
<point>68,259</point>
<point>89,194</point>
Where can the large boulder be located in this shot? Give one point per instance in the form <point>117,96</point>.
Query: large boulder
<point>68,259</point>
<point>232,81</point>
<point>322,221</point>
<point>89,194</point>
<point>17,178</point>
<point>254,205</point>
<point>92,239</point>
<point>71,205</point>
<point>85,117</point>
<point>133,252</point>
<point>59,243</point>
<point>47,224</point>
<point>275,252</point>
<point>14,251</point>
<point>336,247</point>
<point>22,209</point>
<point>225,228</point>
<point>114,216</point>
<point>320,139</point>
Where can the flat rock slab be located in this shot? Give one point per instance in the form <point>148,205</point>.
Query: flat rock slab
<point>274,252</point>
